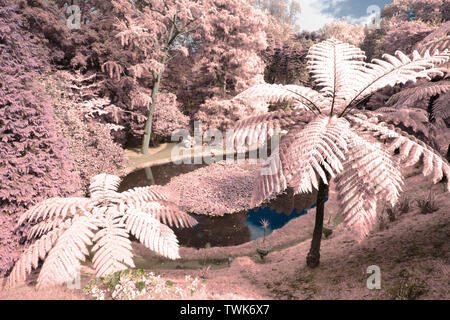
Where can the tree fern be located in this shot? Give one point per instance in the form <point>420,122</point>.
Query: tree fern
<point>154,235</point>
<point>439,39</point>
<point>255,129</point>
<point>65,228</point>
<point>369,174</point>
<point>340,141</point>
<point>407,97</point>
<point>441,108</point>
<point>63,261</point>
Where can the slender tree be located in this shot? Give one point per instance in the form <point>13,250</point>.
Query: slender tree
<point>154,32</point>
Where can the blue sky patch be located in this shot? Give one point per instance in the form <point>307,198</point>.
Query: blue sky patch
<point>316,13</point>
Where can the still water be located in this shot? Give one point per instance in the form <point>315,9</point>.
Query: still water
<point>230,229</point>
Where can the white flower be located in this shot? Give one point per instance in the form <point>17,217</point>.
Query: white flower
<point>179,291</point>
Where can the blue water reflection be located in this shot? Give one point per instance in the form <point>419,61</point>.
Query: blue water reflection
<point>276,220</point>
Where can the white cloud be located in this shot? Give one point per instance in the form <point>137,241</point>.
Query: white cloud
<point>312,17</point>
<point>361,20</point>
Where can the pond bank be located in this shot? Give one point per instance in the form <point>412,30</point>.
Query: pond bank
<point>163,155</point>
<point>294,232</point>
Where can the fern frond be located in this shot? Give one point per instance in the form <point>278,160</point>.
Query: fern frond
<point>439,44</point>
<point>411,149</point>
<point>369,174</point>
<point>407,97</point>
<point>55,208</point>
<point>38,250</point>
<point>271,180</point>
<point>302,97</point>
<point>336,67</point>
<point>113,251</point>
<point>139,196</point>
<point>393,70</point>
<point>169,213</point>
<point>322,142</point>
<point>150,232</point>
<point>439,39</point>
<point>441,107</point>
<point>304,156</point>
<point>416,119</point>
<point>63,261</point>
<point>104,187</point>
<point>43,227</point>
<point>256,129</point>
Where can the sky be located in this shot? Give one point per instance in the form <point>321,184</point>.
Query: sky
<point>316,13</point>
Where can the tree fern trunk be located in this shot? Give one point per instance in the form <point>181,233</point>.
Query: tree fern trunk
<point>313,257</point>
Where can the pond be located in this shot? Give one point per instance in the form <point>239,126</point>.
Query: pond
<point>230,229</point>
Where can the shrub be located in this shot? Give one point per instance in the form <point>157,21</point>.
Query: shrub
<point>89,142</point>
<point>221,114</point>
<point>33,160</point>
<point>427,204</point>
<point>68,229</point>
<point>168,116</point>
<point>404,204</point>
<point>407,289</point>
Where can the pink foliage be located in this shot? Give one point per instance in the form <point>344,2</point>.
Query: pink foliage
<point>286,60</point>
<point>344,31</point>
<point>283,12</point>
<point>428,11</point>
<point>403,35</point>
<point>168,116</point>
<point>227,60</point>
<point>33,162</point>
<point>88,141</point>
<point>222,114</point>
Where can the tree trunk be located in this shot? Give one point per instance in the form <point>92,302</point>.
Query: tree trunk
<point>149,121</point>
<point>155,89</point>
<point>313,257</point>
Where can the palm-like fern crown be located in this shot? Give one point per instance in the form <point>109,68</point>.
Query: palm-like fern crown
<point>329,137</point>
<point>67,226</point>
<point>422,106</point>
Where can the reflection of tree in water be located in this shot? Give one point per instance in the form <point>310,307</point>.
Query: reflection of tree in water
<point>218,231</point>
<point>160,175</point>
<point>234,229</point>
<point>230,229</point>
<point>287,202</point>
